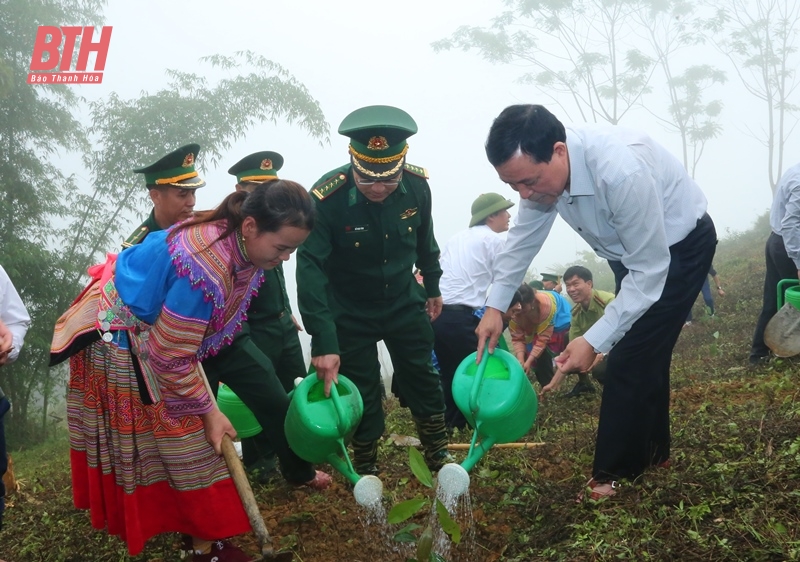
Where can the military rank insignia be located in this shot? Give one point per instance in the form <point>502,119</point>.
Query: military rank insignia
<point>408,213</point>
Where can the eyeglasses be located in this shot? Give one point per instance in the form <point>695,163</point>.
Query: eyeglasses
<point>388,183</point>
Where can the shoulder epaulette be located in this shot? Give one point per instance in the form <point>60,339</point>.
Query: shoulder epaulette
<point>330,185</point>
<point>138,235</point>
<point>599,301</point>
<point>416,170</point>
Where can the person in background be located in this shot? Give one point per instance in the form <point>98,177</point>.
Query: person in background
<point>635,205</point>
<point>551,282</point>
<point>14,322</point>
<point>467,267</point>
<point>265,357</point>
<point>173,197</point>
<point>355,281</point>
<point>708,298</point>
<point>590,305</point>
<point>782,254</point>
<point>540,331</point>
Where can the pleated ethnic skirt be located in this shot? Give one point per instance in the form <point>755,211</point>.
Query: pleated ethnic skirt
<point>139,470</point>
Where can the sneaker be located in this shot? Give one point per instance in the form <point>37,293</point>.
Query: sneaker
<point>222,551</point>
<point>687,323</point>
<point>366,469</point>
<point>581,388</point>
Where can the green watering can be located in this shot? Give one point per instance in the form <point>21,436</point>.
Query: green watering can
<point>782,333</point>
<point>498,401</point>
<point>496,398</point>
<point>240,416</point>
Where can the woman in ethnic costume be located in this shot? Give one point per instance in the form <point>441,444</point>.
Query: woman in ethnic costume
<point>145,435</point>
<point>540,331</point>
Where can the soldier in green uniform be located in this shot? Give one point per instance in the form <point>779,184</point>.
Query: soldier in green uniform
<point>356,284</point>
<point>172,182</point>
<point>265,356</point>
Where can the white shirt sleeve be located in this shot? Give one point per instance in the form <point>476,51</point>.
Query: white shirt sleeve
<point>638,219</point>
<point>790,225</point>
<point>13,313</point>
<point>525,239</point>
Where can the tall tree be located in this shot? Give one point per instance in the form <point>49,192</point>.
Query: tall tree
<point>54,226</point>
<point>760,39</point>
<point>586,49</point>
<point>36,124</point>
<point>673,27</point>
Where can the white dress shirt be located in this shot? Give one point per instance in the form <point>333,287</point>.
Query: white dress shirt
<point>13,313</point>
<point>784,217</point>
<point>467,262</point>
<point>630,199</point>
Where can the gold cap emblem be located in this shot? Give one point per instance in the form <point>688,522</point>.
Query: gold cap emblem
<point>188,161</point>
<point>266,164</point>
<point>378,143</point>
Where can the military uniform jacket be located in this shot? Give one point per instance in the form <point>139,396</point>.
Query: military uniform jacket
<point>148,226</point>
<point>582,319</point>
<point>362,253</point>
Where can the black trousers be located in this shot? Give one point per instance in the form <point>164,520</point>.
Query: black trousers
<point>779,266</point>
<point>633,431</point>
<point>247,368</point>
<point>454,331</point>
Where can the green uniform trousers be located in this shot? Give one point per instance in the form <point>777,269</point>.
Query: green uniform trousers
<point>406,330</point>
<point>259,367</point>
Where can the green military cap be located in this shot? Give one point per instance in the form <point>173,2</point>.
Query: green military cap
<point>536,284</point>
<point>257,167</point>
<point>487,204</point>
<point>550,277</point>
<point>378,136</point>
<point>175,169</point>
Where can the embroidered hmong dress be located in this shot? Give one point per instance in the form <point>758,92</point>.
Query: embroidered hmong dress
<point>140,460</point>
<point>532,334</point>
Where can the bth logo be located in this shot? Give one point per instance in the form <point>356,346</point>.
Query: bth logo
<point>48,53</point>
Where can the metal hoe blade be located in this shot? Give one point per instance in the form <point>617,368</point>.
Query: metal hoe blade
<point>782,334</point>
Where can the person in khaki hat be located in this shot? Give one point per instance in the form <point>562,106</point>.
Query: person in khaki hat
<point>467,263</point>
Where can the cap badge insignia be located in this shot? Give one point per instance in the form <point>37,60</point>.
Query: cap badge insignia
<point>378,143</point>
<point>266,164</point>
<point>188,160</point>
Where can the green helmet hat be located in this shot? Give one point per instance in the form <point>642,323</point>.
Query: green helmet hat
<point>552,277</point>
<point>378,136</point>
<point>176,169</point>
<point>487,204</point>
<point>258,167</point>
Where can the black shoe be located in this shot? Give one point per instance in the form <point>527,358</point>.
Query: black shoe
<point>758,359</point>
<point>581,388</point>
<point>263,471</point>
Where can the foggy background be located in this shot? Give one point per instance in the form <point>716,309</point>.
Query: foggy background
<point>354,53</point>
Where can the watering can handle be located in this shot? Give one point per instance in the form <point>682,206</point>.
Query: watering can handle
<point>476,384</point>
<point>337,405</point>
<point>782,291</point>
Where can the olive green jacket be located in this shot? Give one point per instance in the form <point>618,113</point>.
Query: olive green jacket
<point>363,253</point>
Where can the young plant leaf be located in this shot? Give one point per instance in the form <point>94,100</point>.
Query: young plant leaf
<point>406,534</point>
<point>419,468</point>
<point>406,509</point>
<point>425,544</point>
<point>448,525</point>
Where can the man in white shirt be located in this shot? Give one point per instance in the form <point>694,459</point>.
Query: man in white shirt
<point>636,206</point>
<point>14,322</point>
<point>782,253</point>
<point>467,266</point>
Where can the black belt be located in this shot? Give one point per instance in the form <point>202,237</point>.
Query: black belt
<point>458,308</point>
